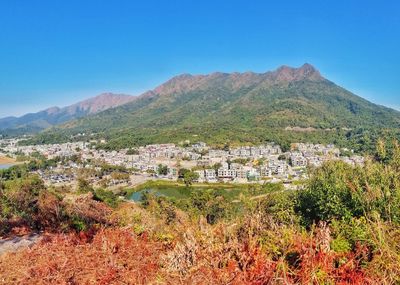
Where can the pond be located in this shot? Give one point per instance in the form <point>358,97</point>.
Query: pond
<point>5,166</point>
<point>137,196</point>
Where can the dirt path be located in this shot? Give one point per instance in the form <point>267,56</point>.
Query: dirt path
<point>17,243</point>
<point>6,160</point>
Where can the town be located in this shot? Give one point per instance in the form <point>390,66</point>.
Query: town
<point>245,164</point>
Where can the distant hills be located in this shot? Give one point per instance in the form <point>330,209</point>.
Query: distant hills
<point>282,105</point>
<point>35,122</point>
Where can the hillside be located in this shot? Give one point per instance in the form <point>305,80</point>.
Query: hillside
<point>34,122</point>
<point>236,107</point>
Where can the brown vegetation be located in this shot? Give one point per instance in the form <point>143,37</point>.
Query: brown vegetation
<point>254,251</point>
<point>110,256</point>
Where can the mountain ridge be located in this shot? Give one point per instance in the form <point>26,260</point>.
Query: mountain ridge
<point>234,107</point>
<point>33,122</point>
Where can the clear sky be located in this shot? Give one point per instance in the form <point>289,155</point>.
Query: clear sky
<point>55,52</point>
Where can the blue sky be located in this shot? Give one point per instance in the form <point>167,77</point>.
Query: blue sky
<point>59,52</point>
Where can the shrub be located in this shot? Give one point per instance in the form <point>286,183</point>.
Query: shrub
<point>107,197</point>
<point>339,191</point>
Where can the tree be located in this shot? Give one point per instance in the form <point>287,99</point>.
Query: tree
<point>216,209</point>
<point>242,161</point>
<point>84,186</point>
<point>182,172</point>
<point>396,155</point>
<point>162,169</point>
<point>381,153</point>
<point>282,157</point>
<point>217,166</point>
<point>146,198</point>
<point>226,147</point>
<point>107,197</point>
<point>119,175</point>
<point>132,151</point>
<point>189,177</point>
<point>338,190</point>
<point>328,195</point>
<point>19,200</point>
<point>209,204</point>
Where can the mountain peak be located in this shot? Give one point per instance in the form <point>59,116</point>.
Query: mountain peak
<point>308,69</point>
<point>307,66</point>
<point>287,73</point>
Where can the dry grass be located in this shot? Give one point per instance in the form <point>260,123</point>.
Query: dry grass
<point>255,250</point>
<point>110,256</point>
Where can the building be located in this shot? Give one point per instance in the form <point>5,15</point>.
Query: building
<point>298,161</point>
<point>225,173</point>
<point>210,174</point>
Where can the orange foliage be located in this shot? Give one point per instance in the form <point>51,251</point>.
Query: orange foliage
<point>110,256</point>
<point>118,256</point>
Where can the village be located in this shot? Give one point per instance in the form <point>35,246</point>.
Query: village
<point>245,164</point>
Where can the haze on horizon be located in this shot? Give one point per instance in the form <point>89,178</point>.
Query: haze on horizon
<point>59,53</point>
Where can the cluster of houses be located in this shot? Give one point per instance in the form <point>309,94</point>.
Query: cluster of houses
<point>243,173</point>
<point>240,164</point>
<point>50,151</point>
<point>55,178</point>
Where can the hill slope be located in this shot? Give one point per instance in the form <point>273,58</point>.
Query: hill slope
<point>53,116</point>
<point>239,107</point>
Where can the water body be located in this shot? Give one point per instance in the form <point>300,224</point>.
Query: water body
<point>137,196</point>
<point>170,192</point>
<point>5,166</point>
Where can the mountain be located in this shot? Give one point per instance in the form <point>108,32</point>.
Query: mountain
<point>294,103</point>
<point>53,116</point>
